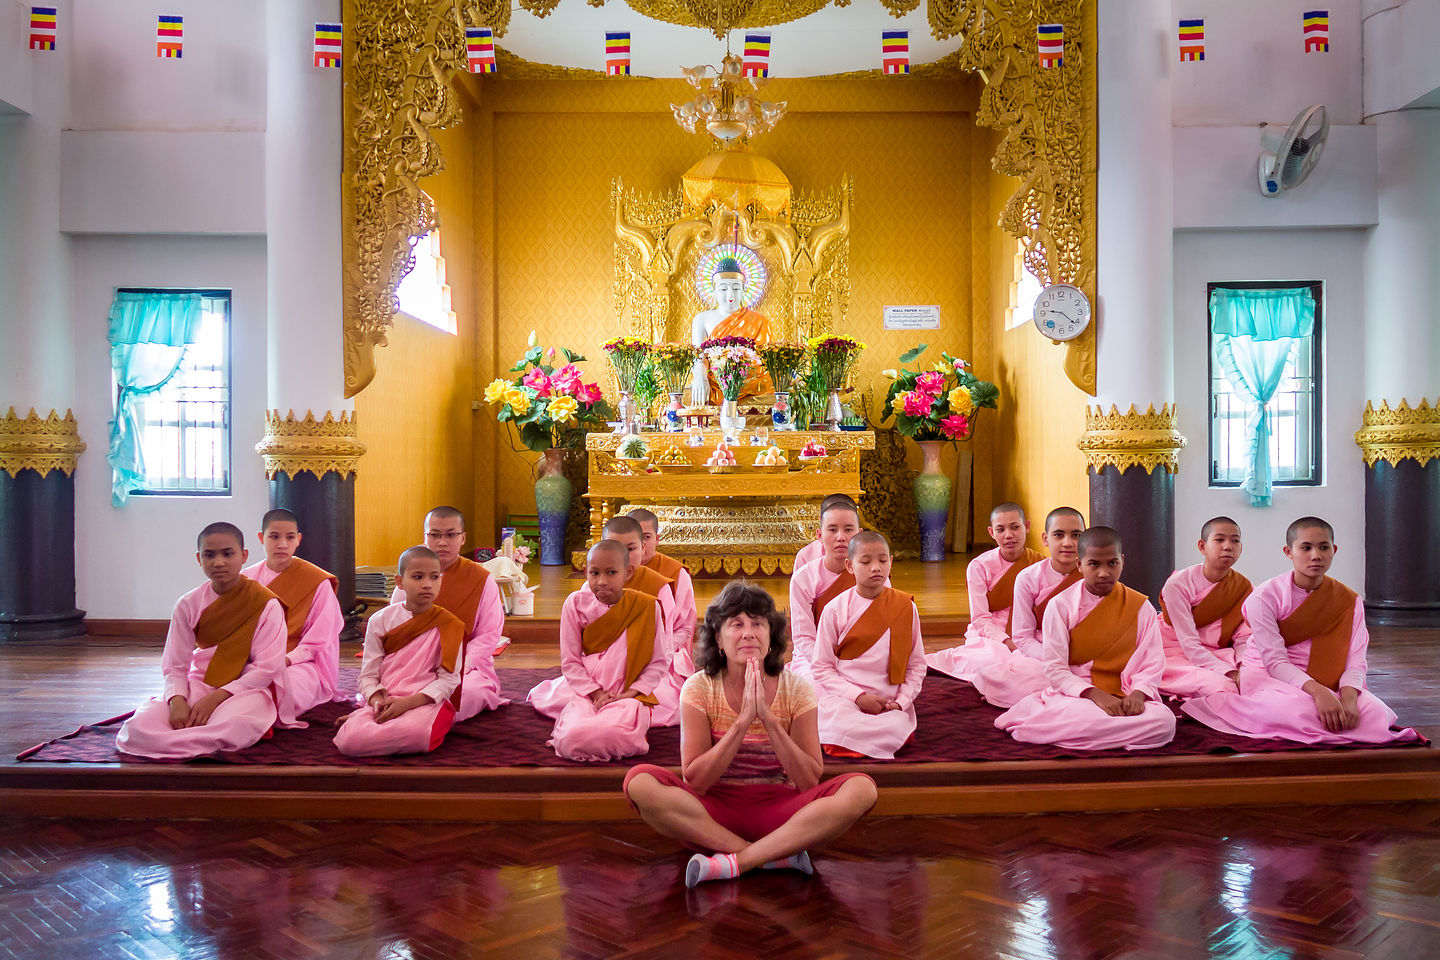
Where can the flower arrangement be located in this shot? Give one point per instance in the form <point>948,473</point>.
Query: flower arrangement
<point>727,342</point>
<point>938,403</point>
<point>627,356</point>
<point>835,355</point>
<point>731,363</point>
<point>550,406</point>
<point>674,362</point>
<point>783,362</point>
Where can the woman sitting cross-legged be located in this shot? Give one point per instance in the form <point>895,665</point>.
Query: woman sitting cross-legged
<point>749,752</point>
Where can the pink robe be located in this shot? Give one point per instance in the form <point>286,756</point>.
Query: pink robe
<point>415,668</point>
<point>617,729</point>
<point>238,722</point>
<point>680,658</point>
<point>1059,715</point>
<point>312,670</point>
<point>806,583</point>
<point>1195,663</point>
<point>839,682</point>
<point>813,550</point>
<point>986,634</point>
<point>1271,702</point>
<point>479,684</point>
<point>1012,675</point>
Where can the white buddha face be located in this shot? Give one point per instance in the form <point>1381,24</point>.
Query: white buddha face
<point>729,293</point>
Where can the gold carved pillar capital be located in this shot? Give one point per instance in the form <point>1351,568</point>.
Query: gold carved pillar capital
<point>1400,433</point>
<point>293,445</point>
<point>1132,439</point>
<point>39,443</point>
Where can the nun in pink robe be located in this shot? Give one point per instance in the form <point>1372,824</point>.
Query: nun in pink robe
<point>1012,675</point>
<point>312,670</point>
<point>1271,701</point>
<point>239,721</point>
<point>986,635</point>
<point>1195,663</point>
<point>414,668</point>
<point>1061,716</point>
<point>484,635</point>
<point>838,682</point>
<point>813,550</point>
<point>806,584</point>
<point>618,729</point>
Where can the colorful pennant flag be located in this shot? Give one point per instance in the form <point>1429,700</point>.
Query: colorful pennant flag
<point>170,37</point>
<point>1050,41</point>
<point>1316,26</point>
<point>617,54</point>
<point>328,42</point>
<point>895,51</point>
<point>42,28</point>
<point>1192,40</point>
<point>479,50</point>
<point>757,55</point>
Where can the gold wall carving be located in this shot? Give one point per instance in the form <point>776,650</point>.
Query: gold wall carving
<point>1132,439</point>
<point>1400,433</point>
<point>293,445</point>
<point>39,443</point>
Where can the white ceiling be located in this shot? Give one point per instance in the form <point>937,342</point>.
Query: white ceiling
<point>834,40</point>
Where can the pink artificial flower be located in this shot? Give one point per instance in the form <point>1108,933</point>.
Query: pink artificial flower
<point>932,383</point>
<point>955,427</point>
<point>960,365</point>
<point>590,393</point>
<point>537,381</point>
<point>918,404</point>
<point>550,354</point>
<point>566,380</point>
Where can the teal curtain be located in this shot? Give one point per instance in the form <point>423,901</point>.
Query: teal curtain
<point>148,336</point>
<point>1254,333</point>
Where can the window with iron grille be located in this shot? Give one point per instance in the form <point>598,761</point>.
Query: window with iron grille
<point>185,425</point>
<point>1295,409</point>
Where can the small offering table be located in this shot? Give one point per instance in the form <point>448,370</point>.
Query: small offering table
<point>746,521</point>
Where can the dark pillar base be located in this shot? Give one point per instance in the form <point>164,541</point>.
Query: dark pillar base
<point>325,508</point>
<point>37,557</point>
<point>1402,553</point>
<point>1141,506</point>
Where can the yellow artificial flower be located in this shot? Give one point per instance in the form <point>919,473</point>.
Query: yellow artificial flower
<point>496,390</point>
<point>518,399</point>
<point>533,339</point>
<point>961,402</point>
<point>891,374</point>
<point>562,409</point>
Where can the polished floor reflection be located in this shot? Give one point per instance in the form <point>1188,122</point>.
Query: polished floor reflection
<point>1292,882</point>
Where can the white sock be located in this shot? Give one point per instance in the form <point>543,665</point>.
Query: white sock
<point>722,866</point>
<point>796,861</point>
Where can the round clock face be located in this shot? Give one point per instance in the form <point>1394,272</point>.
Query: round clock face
<point>1062,312</point>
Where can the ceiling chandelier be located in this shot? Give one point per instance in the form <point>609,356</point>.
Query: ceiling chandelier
<point>725,105</point>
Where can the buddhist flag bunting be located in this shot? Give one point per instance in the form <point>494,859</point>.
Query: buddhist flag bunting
<point>617,54</point>
<point>328,41</point>
<point>42,28</point>
<point>1050,41</point>
<point>895,51</point>
<point>170,37</point>
<point>479,50</point>
<point>1192,40</point>
<point>1317,31</point>
<point>757,55</point>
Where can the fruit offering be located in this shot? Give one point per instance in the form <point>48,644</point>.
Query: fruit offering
<point>771,457</point>
<point>722,457</point>
<point>672,456</point>
<point>813,450</point>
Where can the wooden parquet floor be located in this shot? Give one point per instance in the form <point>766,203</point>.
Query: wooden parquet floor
<point>1276,884</point>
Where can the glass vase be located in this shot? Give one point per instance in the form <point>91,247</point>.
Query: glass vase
<point>623,412</point>
<point>833,412</point>
<point>731,422</point>
<point>780,418</point>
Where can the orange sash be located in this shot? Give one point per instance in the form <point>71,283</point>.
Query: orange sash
<point>460,590</point>
<point>889,611</point>
<point>648,581</point>
<point>667,567</point>
<point>1106,637</point>
<point>229,626</point>
<point>1002,595</point>
<point>634,616</point>
<point>1071,578</point>
<point>296,586</point>
<point>452,634</point>
<point>844,582</point>
<point>1224,602</point>
<point>1324,618</point>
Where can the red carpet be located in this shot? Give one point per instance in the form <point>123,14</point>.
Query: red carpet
<point>954,724</point>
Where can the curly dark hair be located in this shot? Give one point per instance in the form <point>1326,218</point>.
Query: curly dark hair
<point>740,596</point>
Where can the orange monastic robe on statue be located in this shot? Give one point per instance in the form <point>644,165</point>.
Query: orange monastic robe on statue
<point>744,323</point>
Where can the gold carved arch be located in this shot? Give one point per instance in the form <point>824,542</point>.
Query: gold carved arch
<point>401,54</point>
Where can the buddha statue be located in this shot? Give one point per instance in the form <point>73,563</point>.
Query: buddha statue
<point>728,318</point>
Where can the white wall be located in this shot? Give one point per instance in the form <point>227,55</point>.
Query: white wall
<point>1333,256</point>
<point>134,561</point>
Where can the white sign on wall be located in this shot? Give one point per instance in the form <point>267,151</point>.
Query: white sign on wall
<point>913,317</point>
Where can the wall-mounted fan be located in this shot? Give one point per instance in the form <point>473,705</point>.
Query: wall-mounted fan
<point>1286,161</point>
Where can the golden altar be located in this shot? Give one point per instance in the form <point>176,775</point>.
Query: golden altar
<point>746,521</point>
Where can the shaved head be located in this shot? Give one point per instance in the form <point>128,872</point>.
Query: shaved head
<point>446,513</point>
<point>642,516</point>
<point>1007,507</point>
<point>221,528</point>
<point>622,526</point>
<point>1293,531</point>
<point>1058,512</point>
<point>1099,538</point>
<point>1214,522</point>
<point>867,538</point>
<point>610,546</point>
<point>415,553</point>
